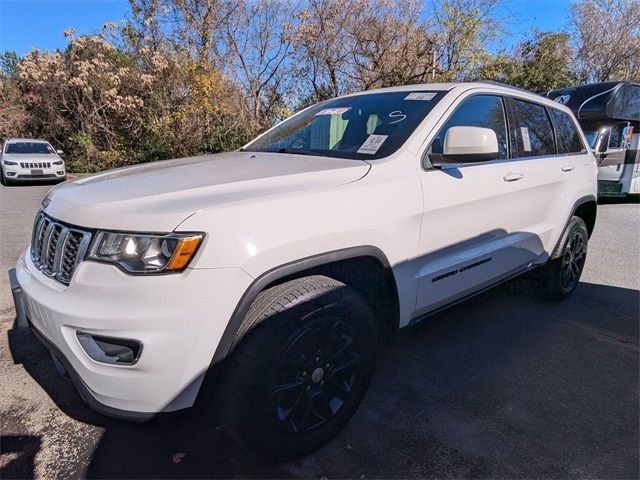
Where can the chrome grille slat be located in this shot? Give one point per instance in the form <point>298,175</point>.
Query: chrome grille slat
<point>44,246</point>
<point>57,248</point>
<point>35,164</point>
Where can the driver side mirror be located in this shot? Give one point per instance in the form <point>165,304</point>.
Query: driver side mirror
<point>602,141</point>
<point>468,144</point>
<point>59,152</point>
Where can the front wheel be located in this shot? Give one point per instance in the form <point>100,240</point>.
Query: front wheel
<point>560,276</point>
<point>301,370</point>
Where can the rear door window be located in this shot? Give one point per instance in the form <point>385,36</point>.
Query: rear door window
<point>533,129</point>
<point>569,140</point>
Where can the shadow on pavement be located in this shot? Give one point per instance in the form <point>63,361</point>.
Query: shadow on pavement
<point>502,385</point>
<point>20,452</point>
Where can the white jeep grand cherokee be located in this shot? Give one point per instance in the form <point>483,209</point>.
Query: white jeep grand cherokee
<point>24,159</point>
<point>287,263</point>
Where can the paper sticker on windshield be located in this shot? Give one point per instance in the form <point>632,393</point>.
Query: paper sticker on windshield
<point>372,144</point>
<point>420,96</point>
<point>526,141</point>
<point>333,111</point>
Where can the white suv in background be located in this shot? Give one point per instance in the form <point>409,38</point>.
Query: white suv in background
<point>24,159</point>
<point>280,268</point>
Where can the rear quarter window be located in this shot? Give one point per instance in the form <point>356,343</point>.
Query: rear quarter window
<point>533,129</point>
<point>569,140</point>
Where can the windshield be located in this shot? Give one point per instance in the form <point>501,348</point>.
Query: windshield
<point>29,147</point>
<point>359,127</point>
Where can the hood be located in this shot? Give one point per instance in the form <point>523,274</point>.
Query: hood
<point>30,157</point>
<point>158,196</point>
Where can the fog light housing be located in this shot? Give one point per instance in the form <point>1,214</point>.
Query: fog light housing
<point>112,351</point>
<point>60,172</point>
<point>10,174</point>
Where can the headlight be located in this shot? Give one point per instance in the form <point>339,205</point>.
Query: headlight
<point>9,162</point>
<point>136,253</point>
<point>57,162</point>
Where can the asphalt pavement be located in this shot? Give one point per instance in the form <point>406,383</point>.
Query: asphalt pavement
<point>503,386</point>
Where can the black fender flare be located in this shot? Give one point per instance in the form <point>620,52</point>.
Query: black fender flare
<point>577,204</point>
<point>582,201</point>
<point>277,273</point>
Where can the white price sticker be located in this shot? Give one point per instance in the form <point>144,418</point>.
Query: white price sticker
<point>333,111</point>
<point>420,96</point>
<point>526,141</point>
<point>372,144</point>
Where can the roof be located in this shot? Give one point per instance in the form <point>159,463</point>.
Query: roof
<point>19,140</point>
<point>497,87</point>
<point>601,101</point>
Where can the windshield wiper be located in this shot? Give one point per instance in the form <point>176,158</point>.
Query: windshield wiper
<point>298,151</point>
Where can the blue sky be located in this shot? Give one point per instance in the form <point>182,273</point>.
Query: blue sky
<point>25,24</point>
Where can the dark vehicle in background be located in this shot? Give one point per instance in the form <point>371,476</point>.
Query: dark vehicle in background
<point>25,159</point>
<point>609,114</point>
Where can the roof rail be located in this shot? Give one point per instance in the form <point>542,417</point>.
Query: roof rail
<point>501,84</point>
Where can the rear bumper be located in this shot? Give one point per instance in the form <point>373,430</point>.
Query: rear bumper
<point>178,318</point>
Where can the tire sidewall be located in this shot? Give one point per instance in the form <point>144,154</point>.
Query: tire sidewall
<point>254,418</point>
<point>576,225</point>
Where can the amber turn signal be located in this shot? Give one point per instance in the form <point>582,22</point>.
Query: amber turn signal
<point>184,252</point>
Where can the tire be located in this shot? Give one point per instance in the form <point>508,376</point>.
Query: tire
<point>3,179</point>
<point>303,360</point>
<point>560,276</point>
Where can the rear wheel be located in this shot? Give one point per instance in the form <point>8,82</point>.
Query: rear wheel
<point>560,276</point>
<point>301,370</point>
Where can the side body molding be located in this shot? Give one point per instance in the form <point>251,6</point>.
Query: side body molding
<point>280,272</point>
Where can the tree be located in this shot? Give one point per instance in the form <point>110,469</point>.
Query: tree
<point>392,46</point>
<point>13,116</point>
<point>539,63</point>
<point>259,45</point>
<point>607,39</point>
<point>324,45</point>
<point>464,28</point>
<point>8,64</point>
<point>350,45</point>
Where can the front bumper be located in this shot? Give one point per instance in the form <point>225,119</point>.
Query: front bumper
<point>16,173</point>
<point>178,318</point>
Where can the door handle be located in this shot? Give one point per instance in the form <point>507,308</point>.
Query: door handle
<point>567,168</point>
<point>513,176</point>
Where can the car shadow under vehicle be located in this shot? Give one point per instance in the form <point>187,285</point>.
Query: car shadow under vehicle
<point>499,386</point>
<point>32,183</point>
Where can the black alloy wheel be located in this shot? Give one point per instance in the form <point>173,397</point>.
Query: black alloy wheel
<point>314,375</point>
<point>573,261</point>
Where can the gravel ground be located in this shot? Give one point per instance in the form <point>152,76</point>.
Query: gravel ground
<point>501,386</point>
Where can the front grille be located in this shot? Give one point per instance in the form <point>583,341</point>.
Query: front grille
<point>35,164</point>
<point>57,248</point>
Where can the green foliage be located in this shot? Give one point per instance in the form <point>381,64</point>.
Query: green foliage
<point>8,63</point>
<point>539,63</point>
